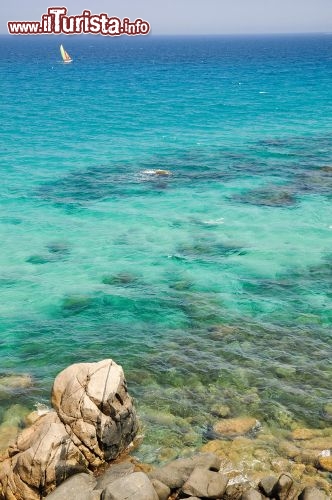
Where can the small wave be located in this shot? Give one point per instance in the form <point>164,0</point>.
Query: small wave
<point>212,222</point>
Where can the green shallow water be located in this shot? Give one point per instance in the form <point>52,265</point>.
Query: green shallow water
<point>209,286</point>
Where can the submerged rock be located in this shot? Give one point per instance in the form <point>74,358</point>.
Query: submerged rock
<point>120,279</point>
<point>11,383</point>
<point>74,304</point>
<point>236,426</point>
<point>273,197</point>
<point>325,462</point>
<point>39,259</point>
<point>58,247</point>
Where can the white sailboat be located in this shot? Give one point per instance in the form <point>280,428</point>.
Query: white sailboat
<point>65,56</point>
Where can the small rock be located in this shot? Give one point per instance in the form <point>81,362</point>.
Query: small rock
<point>267,485</point>
<point>135,486</point>
<point>78,486</point>
<point>162,490</point>
<point>236,490</point>
<point>251,494</point>
<point>177,472</point>
<point>325,463</point>
<point>311,493</point>
<point>114,472</point>
<point>205,483</point>
<point>236,426</point>
<point>283,487</point>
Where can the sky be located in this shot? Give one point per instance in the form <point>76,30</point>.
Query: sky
<point>192,16</point>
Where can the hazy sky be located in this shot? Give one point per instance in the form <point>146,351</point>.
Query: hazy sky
<point>192,16</point>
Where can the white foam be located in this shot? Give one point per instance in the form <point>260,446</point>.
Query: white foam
<point>214,222</point>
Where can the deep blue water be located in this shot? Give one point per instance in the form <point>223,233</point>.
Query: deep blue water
<point>209,285</point>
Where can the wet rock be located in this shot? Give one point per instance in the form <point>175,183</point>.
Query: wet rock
<point>162,490</point>
<point>236,426</point>
<point>15,415</point>
<point>177,472</point>
<point>267,485</point>
<point>235,491</point>
<point>135,486</point>
<point>79,486</point>
<point>115,472</point>
<point>251,494</point>
<point>283,487</point>
<point>312,493</point>
<point>158,172</point>
<point>92,401</point>
<point>205,483</point>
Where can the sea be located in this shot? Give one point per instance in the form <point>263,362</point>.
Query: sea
<point>166,202</point>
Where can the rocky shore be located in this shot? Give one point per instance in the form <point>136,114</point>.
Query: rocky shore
<point>85,448</point>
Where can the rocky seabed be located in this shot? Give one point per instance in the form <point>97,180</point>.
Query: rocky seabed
<point>81,449</point>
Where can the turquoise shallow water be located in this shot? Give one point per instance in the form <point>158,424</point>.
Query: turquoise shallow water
<point>209,285</point>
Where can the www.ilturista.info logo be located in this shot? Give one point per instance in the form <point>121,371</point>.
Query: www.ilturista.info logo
<point>57,22</point>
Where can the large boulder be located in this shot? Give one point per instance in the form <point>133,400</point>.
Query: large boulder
<point>42,456</point>
<point>94,422</point>
<point>176,473</point>
<point>92,401</point>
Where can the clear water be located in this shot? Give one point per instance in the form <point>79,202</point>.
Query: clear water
<point>209,286</point>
